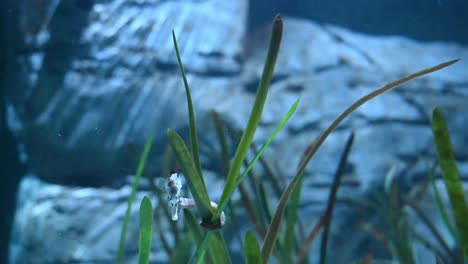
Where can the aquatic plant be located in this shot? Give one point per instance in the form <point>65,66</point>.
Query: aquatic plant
<point>146,230</point>
<point>451,178</point>
<point>131,198</point>
<point>397,234</point>
<point>209,240</point>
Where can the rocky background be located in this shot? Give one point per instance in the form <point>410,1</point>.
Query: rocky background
<point>88,79</point>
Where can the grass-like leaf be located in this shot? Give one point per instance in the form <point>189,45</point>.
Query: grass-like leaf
<point>440,206</point>
<point>195,181</point>
<point>131,198</point>
<point>251,249</point>
<point>191,112</point>
<point>325,218</point>
<point>254,118</point>
<point>269,141</point>
<point>332,197</point>
<point>146,230</point>
<point>451,177</point>
<point>278,217</point>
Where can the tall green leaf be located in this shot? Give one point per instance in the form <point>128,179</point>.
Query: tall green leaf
<point>268,142</point>
<point>255,114</point>
<point>332,197</point>
<point>251,249</point>
<point>451,177</point>
<point>146,230</point>
<point>225,161</point>
<point>191,112</point>
<point>440,206</point>
<point>280,126</point>
<point>326,217</point>
<point>277,218</point>
<point>131,198</point>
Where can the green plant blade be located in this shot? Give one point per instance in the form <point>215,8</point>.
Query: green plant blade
<point>191,112</point>
<point>255,114</point>
<point>441,208</point>
<point>251,249</point>
<point>280,126</point>
<point>270,139</point>
<point>326,217</point>
<point>312,149</point>
<point>194,180</point>
<point>131,198</point>
<point>146,230</point>
<point>225,161</point>
<point>451,176</point>
<point>332,197</point>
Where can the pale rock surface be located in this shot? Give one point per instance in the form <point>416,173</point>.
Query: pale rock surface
<point>108,77</point>
<point>60,224</point>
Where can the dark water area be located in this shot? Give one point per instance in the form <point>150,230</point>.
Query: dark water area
<point>11,169</point>
<point>428,20</point>
<point>424,20</point>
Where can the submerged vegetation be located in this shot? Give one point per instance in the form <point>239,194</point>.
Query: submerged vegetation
<point>287,241</point>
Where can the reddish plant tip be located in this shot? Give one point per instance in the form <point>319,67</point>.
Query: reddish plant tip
<point>278,21</point>
<point>276,35</point>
